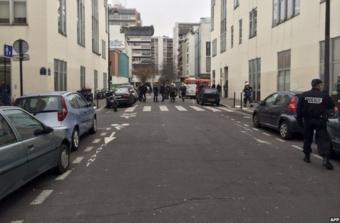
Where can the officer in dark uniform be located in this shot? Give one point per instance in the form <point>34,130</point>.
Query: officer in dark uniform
<point>312,114</point>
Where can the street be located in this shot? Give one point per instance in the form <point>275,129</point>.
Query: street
<point>181,162</point>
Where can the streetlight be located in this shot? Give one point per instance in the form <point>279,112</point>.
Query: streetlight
<point>327,47</point>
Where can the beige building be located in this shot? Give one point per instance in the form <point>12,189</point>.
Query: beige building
<point>273,44</point>
<point>67,39</point>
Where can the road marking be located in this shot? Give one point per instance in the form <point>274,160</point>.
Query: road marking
<point>255,129</point>
<point>266,134</point>
<point>262,141</point>
<point>197,108</point>
<point>297,147</point>
<point>63,176</point>
<point>108,129</point>
<point>317,156</point>
<point>103,134</point>
<point>128,115</point>
<point>18,221</point>
<point>42,197</point>
<point>131,109</point>
<point>232,119</point>
<point>246,125</point>
<point>163,108</point>
<point>180,108</point>
<point>147,109</point>
<point>89,149</point>
<point>96,141</point>
<point>246,117</point>
<point>212,109</point>
<point>280,140</point>
<point>78,160</point>
<point>227,110</point>
<point>110,138</point>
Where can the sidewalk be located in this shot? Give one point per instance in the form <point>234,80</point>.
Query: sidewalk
<point>101,104</point>
<point>229,102</point>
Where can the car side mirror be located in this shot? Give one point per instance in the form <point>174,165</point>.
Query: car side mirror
<point>46,130</point>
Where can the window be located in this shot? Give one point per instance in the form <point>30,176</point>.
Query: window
<point>62,17</point>
<point>95,27</point>
<point>82,77</point>
<point>284,61</point>
<point>60,75</point>
<point>240,31</point>
<point>7,136</point>
<point>214,47</point>
<point>105,80</point>
<point>253,23</point>
<point>81,22</point>
<point>236,3</point>
<point>223,38</point>
<point>13,12</point>
<point>39,104</point>
<point>95,80</point>
<point>232,37</point>
<point>103,49</point>
<point>271,99</point>
<point>208,49</point>
<point>255,77</point>
<point>72,99</point>
<point>24,123</point>
<point>284,10</point>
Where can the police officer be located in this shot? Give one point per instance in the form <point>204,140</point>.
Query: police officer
<point>312,114</point>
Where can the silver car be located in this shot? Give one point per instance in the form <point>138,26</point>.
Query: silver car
<point>28,148</point>
<point>62,109</point>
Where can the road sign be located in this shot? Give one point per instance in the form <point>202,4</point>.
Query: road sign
<point>25,57</point>
<point>8,51</point>
<point>20,46</point>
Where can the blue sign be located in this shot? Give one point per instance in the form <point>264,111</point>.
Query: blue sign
<point>8,51</point>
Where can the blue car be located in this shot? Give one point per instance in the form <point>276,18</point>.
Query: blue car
<point>62,109</point>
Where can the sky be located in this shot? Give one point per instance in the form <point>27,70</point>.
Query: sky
<point>163,14</point>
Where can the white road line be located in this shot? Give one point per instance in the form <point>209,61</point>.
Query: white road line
<point>63,176</point>
<point>18,221</point>
<point>96,141</point>
<point>131,109</point>
<point>317,156</point>
<point>103,134</point>
<point>227,110</point>
<point>232,119</point>
<point>280,140</point>
<point>212,109</point>
<point>147,109</point>
<point>163,108</point>
<point>266,134</point>
<point>78,160</point>
<point>246,117</point>
<point>297,147</point>
<point>262,141</point>
<point>89,149</point>
<point>246,125</point>
<point>180,108</point>
<point>255,129</point>
<point>197,108</point>
<point>41,197</point>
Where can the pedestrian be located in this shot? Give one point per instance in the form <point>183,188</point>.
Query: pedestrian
<point>5,93</point>
<point>144,91</point>
<point>247,94</point>
<point>183,90</point>
<point>173,93</point>
<point>162,92</point>
<point>140,93</point>
<point>312,114</point>
<point>167,92</point>
<point>155,93</point>
<point>213,86</point>
<point>219,89</point>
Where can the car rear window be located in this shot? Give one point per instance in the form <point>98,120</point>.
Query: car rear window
<point>210,91</point>
<point>39,104</point>
<point>122,91</point>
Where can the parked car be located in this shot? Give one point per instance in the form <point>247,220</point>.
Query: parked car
<point>123,96</point>
<point>28,148</point>
<point>67,109</point>
<point>208,95</point>
<point>334,132</point>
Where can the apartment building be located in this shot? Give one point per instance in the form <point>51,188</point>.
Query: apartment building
<point>273,44</point>
<point>67,50</point>
<point>120,17</point>
<point>162,52</point>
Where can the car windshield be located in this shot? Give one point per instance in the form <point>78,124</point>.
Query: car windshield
<point>39,104</point>
<point>122,91</point>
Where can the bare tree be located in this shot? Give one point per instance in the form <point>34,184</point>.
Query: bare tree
<point>144,72</point>
<point>168,73</point>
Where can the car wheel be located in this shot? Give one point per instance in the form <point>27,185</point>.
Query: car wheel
<point>63,159</point>
<point>284,130</point>
<point>75,140</point>
<point>93,130</point>
<point>256,121</point>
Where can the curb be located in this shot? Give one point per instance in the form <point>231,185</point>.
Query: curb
<point>239,110</point>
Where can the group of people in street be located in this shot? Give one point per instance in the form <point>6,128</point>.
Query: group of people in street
<point>166,91</point>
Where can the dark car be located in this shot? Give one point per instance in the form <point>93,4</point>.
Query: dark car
<point>208,96</point>
<point>334,132</point>
<point>123,96</point>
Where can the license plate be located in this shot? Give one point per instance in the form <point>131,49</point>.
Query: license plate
<point>211,99</point>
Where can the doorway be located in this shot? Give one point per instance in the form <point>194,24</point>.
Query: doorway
<point>5,81</point>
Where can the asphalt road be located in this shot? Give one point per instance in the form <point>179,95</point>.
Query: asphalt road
<point>162,163</point>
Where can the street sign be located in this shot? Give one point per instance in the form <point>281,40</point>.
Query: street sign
<point>25,57</point>
<point>8,51</point>
<point>20,46</point>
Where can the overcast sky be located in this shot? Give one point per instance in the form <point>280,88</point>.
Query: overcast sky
<point>163,14</point>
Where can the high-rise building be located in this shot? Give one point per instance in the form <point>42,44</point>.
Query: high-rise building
<point>162,52</point>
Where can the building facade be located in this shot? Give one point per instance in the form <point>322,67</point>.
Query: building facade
<point>273,44</point>
<point>67,50</point>
<point>162,52</point>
